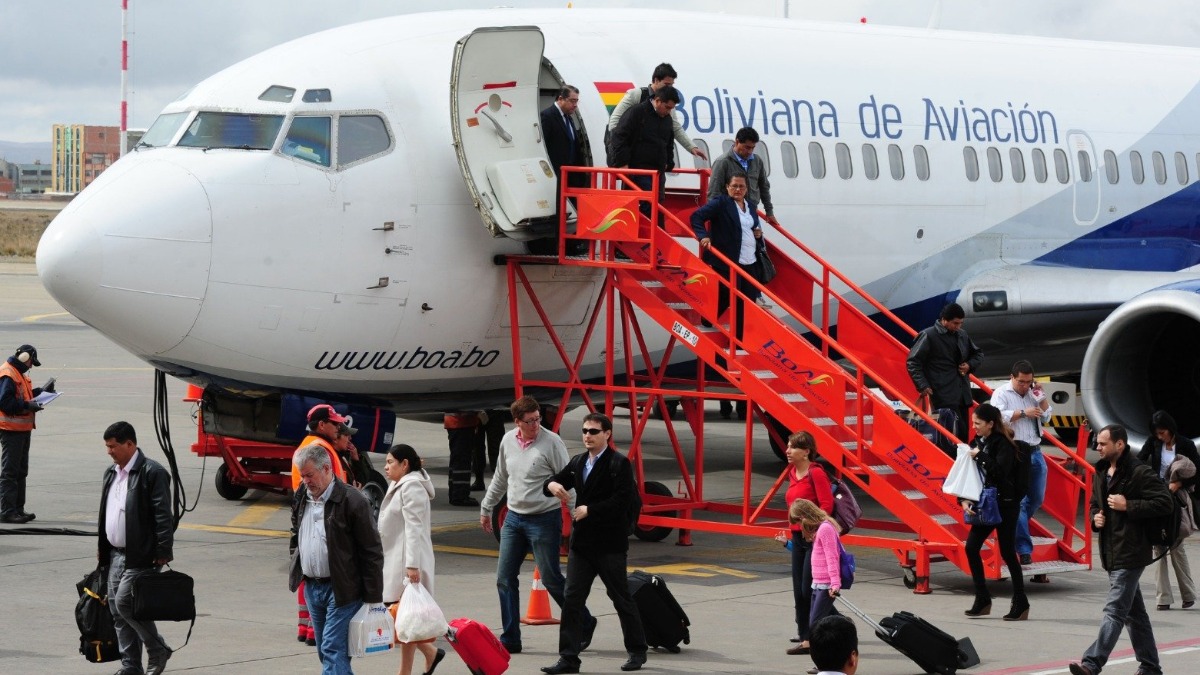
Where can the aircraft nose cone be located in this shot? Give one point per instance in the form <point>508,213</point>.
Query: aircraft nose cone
<point>130,255</point>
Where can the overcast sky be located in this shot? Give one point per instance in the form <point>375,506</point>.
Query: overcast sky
<point>60,59</point>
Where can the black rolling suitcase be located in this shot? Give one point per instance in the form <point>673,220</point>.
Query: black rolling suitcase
<point>664,621</point>
<point>931,648</point>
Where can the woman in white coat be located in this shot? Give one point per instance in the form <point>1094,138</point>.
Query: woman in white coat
<point>405,518</point>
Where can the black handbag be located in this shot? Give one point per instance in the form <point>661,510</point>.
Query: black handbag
<point>165,596</point>
<point>97,635</point>
<point>766,268</point>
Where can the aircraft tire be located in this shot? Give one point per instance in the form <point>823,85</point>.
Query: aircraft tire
<point>374,489</point>
<point>226,487</point>
<point>654,533</point>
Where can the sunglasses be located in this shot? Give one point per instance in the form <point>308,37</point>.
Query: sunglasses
<point>591,432</point>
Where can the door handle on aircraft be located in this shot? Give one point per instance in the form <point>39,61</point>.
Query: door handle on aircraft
<point>504,135</point>
<point>382,283</point>
<point>387,227</point>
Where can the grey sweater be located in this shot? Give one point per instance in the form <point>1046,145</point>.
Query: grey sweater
<point>520,473</point>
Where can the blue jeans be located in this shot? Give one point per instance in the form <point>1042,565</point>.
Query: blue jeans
<point>131,634</point>
<point>1032,501</point>
<point>331,623</point>
<point>541,534</point>
<point>1124,607</point>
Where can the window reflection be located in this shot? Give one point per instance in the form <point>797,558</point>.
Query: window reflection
<point>232,130</point>
<point>308,139</point>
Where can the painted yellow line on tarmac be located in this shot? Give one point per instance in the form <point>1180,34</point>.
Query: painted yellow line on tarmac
<point>254,514</point>
<point>255,532</point>
<point>694,570</point>
<point>38,317</point>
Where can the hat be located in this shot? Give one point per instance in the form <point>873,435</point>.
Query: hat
<point>324,413</point>
<point>31,353</point>
<point>344,429</point>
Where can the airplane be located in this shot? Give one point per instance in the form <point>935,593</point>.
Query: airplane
<point>323,217</point>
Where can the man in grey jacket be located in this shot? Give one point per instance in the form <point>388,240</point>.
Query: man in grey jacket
<point>741,159</point>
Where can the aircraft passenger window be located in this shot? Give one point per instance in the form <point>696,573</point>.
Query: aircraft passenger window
<point>1039,165</point>
<point>1017,160</point>
<point>1135,167</point>
<point>1181,173</point>
<point>842,151</point>
<point>232,130</point>
<point>308,139</point>
<point>971,163</point>
<point>1085,166</point>
<point>361,136</point>
<point>896,161</point>
<point>277,93</point>
<point>816,159</point>
<point>696,161</point>
<point>870,162</point>
<point>764,153</point>
<point>791,163</point>
<point>921,156</point>
<point>1061,170</point>
<point>995,168</point>
<point>162,131</point>
<point>1160,167</point>
<point>726,145</point>
<point>1110,167</point>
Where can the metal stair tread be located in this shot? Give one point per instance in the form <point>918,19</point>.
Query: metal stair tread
<point>1046,567</point>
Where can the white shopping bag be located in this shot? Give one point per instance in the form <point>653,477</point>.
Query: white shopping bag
<point>371,630</point>
<point>964,479</point>
<point>419,617</point>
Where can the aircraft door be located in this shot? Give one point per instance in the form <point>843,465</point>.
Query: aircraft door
<point>1087,179</point>
<point>494,118</point>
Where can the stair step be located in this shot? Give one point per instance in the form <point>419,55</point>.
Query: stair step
<point>1046,567</point>
<point>913,495</point>
<point>883,469</point>
<point>651,283</point>
<point>679,306</point>
<point>1043,541</point>
<point>764,374</point>
<point>945,519</point>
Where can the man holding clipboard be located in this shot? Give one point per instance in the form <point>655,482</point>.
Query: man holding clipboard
<point>19,403</point>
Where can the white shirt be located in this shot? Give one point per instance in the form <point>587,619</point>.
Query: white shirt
<point>1009,402</point>
<point>746,255</point>
<point>1168,456</point>
<point>114,509</point>
<point>314,551</point>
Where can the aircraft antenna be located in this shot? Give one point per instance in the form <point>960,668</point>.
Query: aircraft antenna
<point>124,77</point>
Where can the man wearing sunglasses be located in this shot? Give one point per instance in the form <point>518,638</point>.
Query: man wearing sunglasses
<point>529,455</point>
<point>605,494</point>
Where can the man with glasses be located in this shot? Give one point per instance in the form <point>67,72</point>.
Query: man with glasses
<point>605,495</point>
<point>529,455</point>
<point>1026,408</point>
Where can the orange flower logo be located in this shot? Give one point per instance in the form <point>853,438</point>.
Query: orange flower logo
<point>619,216</point>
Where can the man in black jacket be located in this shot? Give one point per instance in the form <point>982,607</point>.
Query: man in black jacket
<point>336,550</point>
<point>940,364</point>
<point>605,496</point>
<point>645,138</point>
<point>137,533</point>
<point>1125,494</point>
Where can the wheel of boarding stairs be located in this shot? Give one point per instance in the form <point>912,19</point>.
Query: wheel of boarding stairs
<point>653,532</point>
<point>226,487</point>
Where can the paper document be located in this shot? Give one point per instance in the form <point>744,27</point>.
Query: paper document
<point>45,397</point>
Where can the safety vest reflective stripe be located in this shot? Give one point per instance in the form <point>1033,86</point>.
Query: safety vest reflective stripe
<point>20,421</point>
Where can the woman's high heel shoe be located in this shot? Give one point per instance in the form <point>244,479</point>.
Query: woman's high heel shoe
<point>980,608</point>
<point>1019,612</point>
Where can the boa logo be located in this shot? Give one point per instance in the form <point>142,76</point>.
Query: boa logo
<point>696,279</point>
<point>825,379</point>
<point>806,378</point>
<point>618,216</point>
<point>906,461</point>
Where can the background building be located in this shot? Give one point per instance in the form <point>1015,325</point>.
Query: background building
<point>33,179</point>
<point>81,153</point>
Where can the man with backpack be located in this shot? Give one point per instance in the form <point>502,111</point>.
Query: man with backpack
<point>1127,497</point>
<point>664,76</point>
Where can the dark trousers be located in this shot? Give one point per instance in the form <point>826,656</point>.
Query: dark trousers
<point>462,441</point>
<point>802,582</point>
<point>14,468</point>
<point>486,450</point>
<point>582,569</point>
<point>743,286</point>
<point>646,183</point>
<point>1006,535</point>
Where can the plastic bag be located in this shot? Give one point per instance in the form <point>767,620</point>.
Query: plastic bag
<point>964,479</point>
<point>419,617</point>
<point>371,630</point>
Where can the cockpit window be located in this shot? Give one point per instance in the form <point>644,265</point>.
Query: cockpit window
<point>163,130</point>
<point>361,136</point>
<point>308,139</point>
<point>278,93</point>
<point>317,96</point>
<point>232,130</point>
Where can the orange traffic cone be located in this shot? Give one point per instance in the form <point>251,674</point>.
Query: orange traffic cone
<point>538,612</point>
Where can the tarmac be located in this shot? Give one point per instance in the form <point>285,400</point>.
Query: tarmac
<point>735,589</point>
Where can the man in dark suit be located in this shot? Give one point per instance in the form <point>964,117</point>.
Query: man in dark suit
<point>562,139</point>
<point>605,496</point>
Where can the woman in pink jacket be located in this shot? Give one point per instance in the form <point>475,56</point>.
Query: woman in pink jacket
<point>822,530</point>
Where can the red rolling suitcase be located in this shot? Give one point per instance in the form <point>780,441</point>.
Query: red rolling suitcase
<point>478,647</point>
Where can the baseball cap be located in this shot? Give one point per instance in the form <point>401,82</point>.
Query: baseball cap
<point>31,351</point>
<point>325,413</point>
<point>344,429</point>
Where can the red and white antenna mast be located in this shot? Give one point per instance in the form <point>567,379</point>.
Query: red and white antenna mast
<point>124,77</point>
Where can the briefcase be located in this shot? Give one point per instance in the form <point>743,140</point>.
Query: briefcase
<point>165,596</point>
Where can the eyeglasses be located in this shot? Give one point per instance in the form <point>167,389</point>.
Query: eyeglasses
<point>591,432</point>
<point>1024,381</point>
<point>531,420</point>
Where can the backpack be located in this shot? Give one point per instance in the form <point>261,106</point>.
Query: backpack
<point>1164,530</point>
<point>846,565</point>
<point>97,636</point>
<point>608,149</point>
<point>846,510</point>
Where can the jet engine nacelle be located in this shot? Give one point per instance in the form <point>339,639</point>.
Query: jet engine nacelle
<point>1145,357</point>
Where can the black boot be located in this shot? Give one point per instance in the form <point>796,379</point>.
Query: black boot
<point>982,607</point>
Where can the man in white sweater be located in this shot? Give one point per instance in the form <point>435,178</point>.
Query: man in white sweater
<point>529,455</point>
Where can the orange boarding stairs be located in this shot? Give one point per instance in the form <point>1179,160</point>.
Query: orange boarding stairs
<point>808,361</point>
